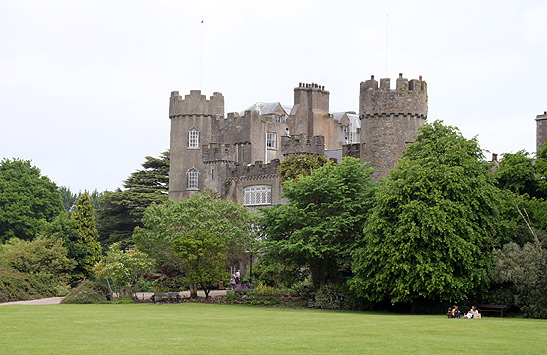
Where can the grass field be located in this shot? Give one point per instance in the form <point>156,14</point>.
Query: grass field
<point>201,328</point>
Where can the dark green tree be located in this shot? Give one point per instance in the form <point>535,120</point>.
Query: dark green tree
<point>69,198</point>
<point>320,226</point>
<point>83,217</point>
<point>64,228</point>
<point>121,211</point>
<point>26,197</point>
<point>431,231</point>
<point>203,258</point>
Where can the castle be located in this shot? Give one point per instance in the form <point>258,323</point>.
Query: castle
<point>237,155</point>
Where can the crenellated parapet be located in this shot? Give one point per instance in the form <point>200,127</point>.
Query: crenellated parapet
<point>253,171</point>
<point>218,152</point>
<point>196,104</point>
<point>302,144</point>
<point>409,98</point>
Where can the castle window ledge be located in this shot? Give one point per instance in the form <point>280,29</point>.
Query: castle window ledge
<point>192,189</point>
<point>193,148</point>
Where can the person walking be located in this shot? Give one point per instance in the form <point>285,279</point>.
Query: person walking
<point>238,276</point>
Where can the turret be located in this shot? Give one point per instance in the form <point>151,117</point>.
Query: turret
<point>390,119</point>
<point>194,123</point>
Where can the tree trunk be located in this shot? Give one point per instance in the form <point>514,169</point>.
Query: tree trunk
<point>193,290</point>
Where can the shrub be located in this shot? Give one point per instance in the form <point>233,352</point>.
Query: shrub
<point>43,255</point>
<point>277,274</point>
<point>302,289</point>
<point>518,276</point>
<point>17,286</point>
<point>88,292</point>
<point>264,290</point>
<point>536,305</point>
<point>336,296</point>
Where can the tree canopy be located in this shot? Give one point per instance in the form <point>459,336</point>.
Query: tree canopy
<point>122,210</point>
<point>26,197</point>
<point>431,231</point>
<point>325,216</point>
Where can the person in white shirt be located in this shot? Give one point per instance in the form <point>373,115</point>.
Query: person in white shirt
<point>471,312</point>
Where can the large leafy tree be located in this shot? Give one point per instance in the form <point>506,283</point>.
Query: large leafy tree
<point>83,217</point>
<point>431,231</point>
<point>121,211</point>
<point>203,258</point>
<point>319,228</point>
<point>26,197</point>
<point>163,224</point>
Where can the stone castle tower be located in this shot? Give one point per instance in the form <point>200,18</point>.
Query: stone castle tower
<point>193,123</point>
<point>390,120</point>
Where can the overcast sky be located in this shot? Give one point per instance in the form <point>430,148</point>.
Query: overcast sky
<point>84,86</point>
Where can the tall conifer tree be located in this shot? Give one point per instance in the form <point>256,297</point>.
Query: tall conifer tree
<point>84,220</point>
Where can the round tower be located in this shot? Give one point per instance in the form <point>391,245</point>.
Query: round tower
<point>390,120</point>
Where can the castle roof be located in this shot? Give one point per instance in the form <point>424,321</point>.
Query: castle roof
<point>353,118</point>
<point>267,108</point>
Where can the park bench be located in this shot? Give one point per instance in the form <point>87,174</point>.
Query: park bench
<point>491,308</point>
<point>165,297</point>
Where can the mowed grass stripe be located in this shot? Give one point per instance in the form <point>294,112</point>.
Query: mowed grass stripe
<point>200,328</point>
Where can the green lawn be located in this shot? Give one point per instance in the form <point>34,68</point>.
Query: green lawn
<point>200,328</point>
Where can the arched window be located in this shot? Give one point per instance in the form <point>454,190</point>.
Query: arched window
<point>193,138</point>
<point>258,195</point>
<point>192,176</point>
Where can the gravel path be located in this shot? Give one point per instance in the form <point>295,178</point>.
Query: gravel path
<point>38,302</point>
<point>140,295</point>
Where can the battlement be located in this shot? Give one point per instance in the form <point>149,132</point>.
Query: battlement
<point>310,86</point>
<point>302,144</point>
<point>196,104</point>
<point>310,97</point>
<point>408,98</point>
<point>218,152</point>
<point>256,170</point>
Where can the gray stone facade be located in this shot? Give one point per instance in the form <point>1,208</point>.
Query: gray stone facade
<point>541,130</point>
<point>237,156</point>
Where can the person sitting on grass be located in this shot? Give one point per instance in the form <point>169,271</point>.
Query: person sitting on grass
<point>449,313</point>
<point>471,312</point>
<point>456,312</point>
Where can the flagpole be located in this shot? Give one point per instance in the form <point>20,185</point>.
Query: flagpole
<point>201,60</point>
<point>387,22</point>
